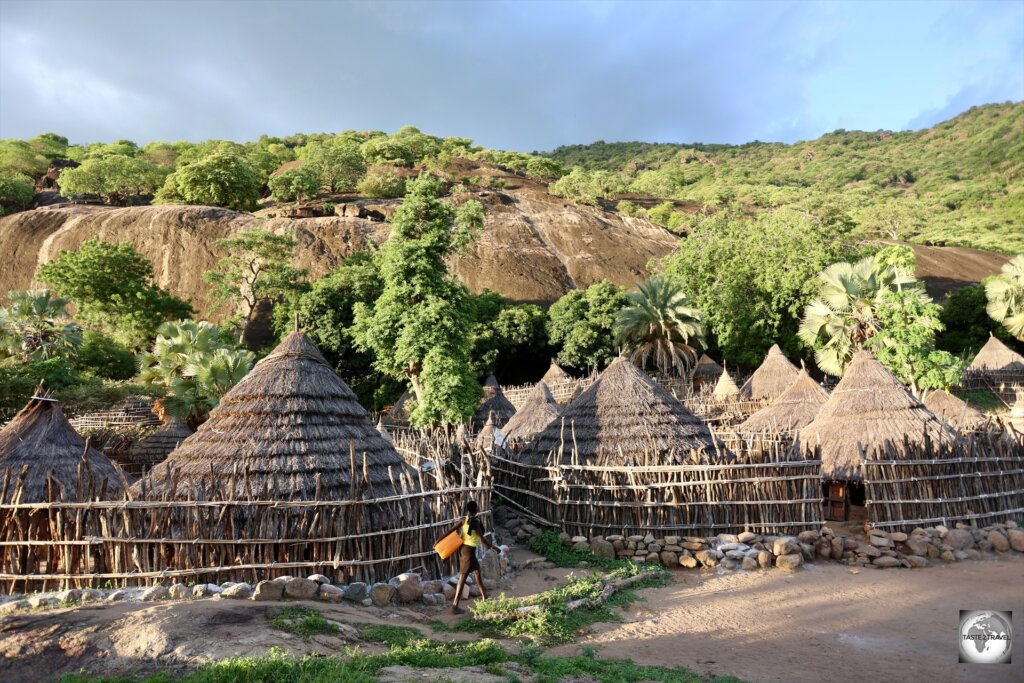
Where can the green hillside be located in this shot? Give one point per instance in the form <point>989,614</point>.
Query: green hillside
<point>960,182</point>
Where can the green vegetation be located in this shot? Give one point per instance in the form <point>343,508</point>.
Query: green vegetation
<point>1005,293</point>
<point>117,178</point>
<point>112,287</point>
<point>16,193</point>
<point>958,182</point>
<point>301,621</point>
<point>382,181</point>
<point>337,165</point>
<point>389,635</point>
<point>36,326</point>
<point>581,324</point>
<point>658,326</point>
<point>419,328</point>
<point>221,179</point>
<point>293,185</point>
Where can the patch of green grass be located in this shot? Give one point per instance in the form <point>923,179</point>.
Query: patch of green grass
<point>301,621</point>
<point>389,635</point>
<point>983,400</point>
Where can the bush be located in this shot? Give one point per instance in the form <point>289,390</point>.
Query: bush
<point>16,193</point>
<point>104,357</point>
<point>292,185</point>
<point>116,178</point>
<point>382,181</point>
<point>628,208</point>
<point>221,179</point>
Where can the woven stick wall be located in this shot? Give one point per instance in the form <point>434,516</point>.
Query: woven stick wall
<point>130,542</point>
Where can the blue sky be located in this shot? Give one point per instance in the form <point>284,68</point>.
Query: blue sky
<point>519,75</point>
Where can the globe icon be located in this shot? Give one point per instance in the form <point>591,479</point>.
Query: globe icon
<point>985,637</point>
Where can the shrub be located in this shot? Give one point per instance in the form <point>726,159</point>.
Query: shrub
<point>292,185</point>
<point>104,357</point>
<point>16,193</point>
<point>382,181</point>
<point>115,177</point>
<point>221,179</point>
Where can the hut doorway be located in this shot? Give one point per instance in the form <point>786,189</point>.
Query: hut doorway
<point>840,497</point>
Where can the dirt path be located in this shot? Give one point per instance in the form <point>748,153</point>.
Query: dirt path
<point>822,623</point>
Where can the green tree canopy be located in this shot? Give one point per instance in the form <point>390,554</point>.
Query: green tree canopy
<point>1005,293</point>
<point>581,323</point>
<point>419,328</point>
<point>293,185</point>
<point>112,287</point>
<point>115,177</point>
<point>659,325</point>
<point>36,326</point>
<point>337,165</point>
<point>221,179</point>
<point>506,335</point>
<point>16,193</point>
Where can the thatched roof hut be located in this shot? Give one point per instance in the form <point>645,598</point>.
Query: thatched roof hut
<point>706,371</point>
<point>41,442</point>
<point>725,388</point>
<point>555,374</point>
<point>995,356</point>
<point>536,414</point>
<point>489,435</point>
<point>955,411</point>
<point>773,377</point>
<point>868,408</point>
<point>158,445</point>
<point>383,431</point>
<point>1016,417</point>
<point>794,409</point>
<point>622,415</point>
<point>398,414</point>
<point>286,426</point>
<point>494,405</point>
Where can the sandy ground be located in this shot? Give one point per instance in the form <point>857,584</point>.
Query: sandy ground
<point>822,623</point>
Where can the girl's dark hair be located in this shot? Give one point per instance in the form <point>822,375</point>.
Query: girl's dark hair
<point>470,508</point>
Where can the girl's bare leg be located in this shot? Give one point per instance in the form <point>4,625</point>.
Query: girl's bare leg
<point>458,589</point>
<point>480,584</point>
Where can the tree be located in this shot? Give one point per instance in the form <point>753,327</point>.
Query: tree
<point>658,326</point>
<point>1005,293</point>
<point>905,342</point>
<point>36,326</point>
<point>194,367</point>
<point>293,185</point>
<point>751,277</point>
<point>116,178</point>
<point>582,322</point>
<point>844,316</point>
<point>337,165</point>
<point>258,268</point>
<point>112,287</point>
<point>104,357</point>
<point>388,150</point>
<point>16,193</point>
<point>382,181</point>
<point>506,335</point>
<point>419,328</point>
<point>18,158</point>
<point>221,179</point>
<point>966,323</point>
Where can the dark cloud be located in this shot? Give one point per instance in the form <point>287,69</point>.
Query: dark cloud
<point>517,75</point>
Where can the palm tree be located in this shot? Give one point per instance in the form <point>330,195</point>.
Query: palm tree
<point>1005,294</point>
<point>844,316</point>
<point>659,325</point>
<point>37,326</point>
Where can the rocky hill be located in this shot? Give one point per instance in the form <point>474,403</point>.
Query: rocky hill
<point>534,246</point>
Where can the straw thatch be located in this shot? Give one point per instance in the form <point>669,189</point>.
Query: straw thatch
<point>489,435</point>
<point>398,415</point>
<point>773,377</point>
<point>995,356</point>
<point>285,430</point>
<point>706,371</point>
<point>623,415</point>
<point>794,409</point>
<point>494,404</point>
<point>158,445</point>
<point>725,388</point>
<point>383,431</point>
<point>536,414</point>
<point>42,444</point>
<point>1016,417</point>
<point>868,409</point>
<point>954,410</point>
<point>555,374</point>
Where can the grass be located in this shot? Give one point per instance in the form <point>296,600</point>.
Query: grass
<point>301,621</point>
<point>389,635</point>
<point>983,400</point>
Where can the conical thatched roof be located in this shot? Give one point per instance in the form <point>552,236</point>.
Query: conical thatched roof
<point>555,374</point>
<point>399,413</point>
<point>706,371</point>
<point>536,414</point>
<point>772,378</point>
<point>622,414</point>
<point>955,411</point>
<point>995,356</point>
<point>158,445</point>
<point>383,431</point>
<point>868,408</point>
<point>725,388</point>
<point>489,435</point>
<point>794,409</point>
<point>41,439</point>
<point>1016,417</point>
<point>494,404</point>
<point>288,422</point>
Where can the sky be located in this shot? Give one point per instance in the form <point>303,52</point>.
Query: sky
<point>511,75</point>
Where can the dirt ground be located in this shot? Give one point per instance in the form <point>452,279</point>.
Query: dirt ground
<point>823,622</point>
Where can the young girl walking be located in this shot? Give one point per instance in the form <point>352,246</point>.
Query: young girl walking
<point>472,532</point>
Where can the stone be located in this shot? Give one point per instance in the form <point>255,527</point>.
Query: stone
<point>578,539</point>
<point>283,579</point>
<point>648,539</point>
<point>669,540</point>
<point>708,558</point>
<point>850,543</point>
<point>837,546</point>
<point>970,554</point>
<point>68,596</point>
<point>357,591</point>
<point>319,578</point>
<point>726,547</point>
<point>748,563</point>
<point>268,590</point>
<point>688,561</point>
<point>38,601</point>
<point>300,589</point>
<point>178,591</point>
<point>240,591</point>
<point>635,539</point>
<point>809,536</point>
<point>728,538</point>
<point>581,546</point>
<point>693,545</point>
<point>490,567</point>
<point>960,555</point>
<point>789,561</point>
<point>409,588</point>
<point>897,537</point>
<point>886,561</point>
<point>735,554</point>
<point>428,586</point>
<point>154,593</point>
<point>674,548</point>
<point>329,593</point>
<point>745,537</point>
<point>869,550</point>
<point>917,545</point>
<point>823,548</point>
<point>881,542</point>
<point>948,556</point>
<point>764,559</point>
<point>669,558</point>
<point>917,561</point>
<point>14,606</point>
<point>618,546</point>
<point>933,552</point>
<point>807,551</point>
<point>654,548</point>
<point>999,541</point>
<point>879,533</point>
<point>116,596</point>
<point>91,595</point>
<point>785,545</point>
<point>652,558</point>
<point>383,593</point>
<point>941,530</point>
<point>449,592</point>
<point>1016,538</point>
<point>201,590</point>
<point>959,539</point>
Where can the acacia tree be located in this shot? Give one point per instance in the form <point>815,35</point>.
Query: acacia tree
<point>258,268</point>
<point>581,323</point>
<point>337,165</point>
<point>419,328</point>
<point>658,325</point>
<point>116,178</point>
<point>1005,294</point>
<point>221,179</point>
